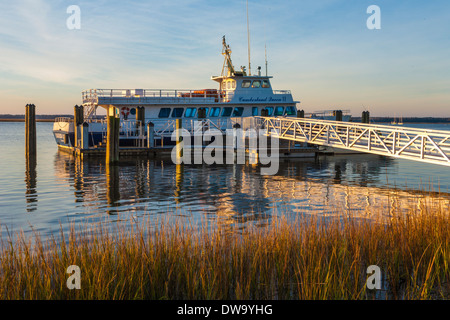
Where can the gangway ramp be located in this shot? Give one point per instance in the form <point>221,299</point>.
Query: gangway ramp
<point>431,146</point>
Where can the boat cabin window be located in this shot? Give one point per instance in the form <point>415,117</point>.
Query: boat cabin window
<point>190,112</point>
<point>265,84</point>
<point>164,113</point>
<point>226,112</point>
<point>290,111</point>
<point>215,112</point>
<point>237,112</point>
<point>256,84</point>
<point>255,111</point>
<point>177,112</point>
<point>246,83</point>
<point>278,111</point>
<point>231,84</point>
<point>269,111</point>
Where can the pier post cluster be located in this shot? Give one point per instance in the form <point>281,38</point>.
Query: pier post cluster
<point>338,115</point>
<point>30,132</point>
<point>78,119</point>
<point>365,117</point>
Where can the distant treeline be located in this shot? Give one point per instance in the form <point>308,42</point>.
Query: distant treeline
<point>38,116</point>
<point>354,119</point>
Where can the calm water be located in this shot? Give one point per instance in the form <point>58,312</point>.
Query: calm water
<point>61,189</point>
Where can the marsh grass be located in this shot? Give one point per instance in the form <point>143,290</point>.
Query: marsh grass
<point>290,258</point>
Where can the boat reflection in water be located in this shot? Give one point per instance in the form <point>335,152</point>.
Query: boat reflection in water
<point>237,193</point>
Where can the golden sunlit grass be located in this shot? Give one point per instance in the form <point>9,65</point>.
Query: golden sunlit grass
<point>307,258</point>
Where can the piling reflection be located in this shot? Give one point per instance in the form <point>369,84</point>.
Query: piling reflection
<point>78,180</point>
<point>31,195</point>
<point>112,187</point>
<point>235,193</point>
<point>178,182</point>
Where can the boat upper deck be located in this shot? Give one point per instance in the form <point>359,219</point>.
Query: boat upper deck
<point>120,97</point>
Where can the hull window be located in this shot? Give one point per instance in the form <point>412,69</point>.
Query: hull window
<point>215,112</point>
<point>269,111</point>
<point>164,113</point>
<point>255,111</point>
<point>177,112</point>
<point>190,112</point>
<point>278,111</point>
<point>246,84</point>
<point>237,112</point>
<point>256,84</point>
<point>226,112</point>
<point>290,111</point>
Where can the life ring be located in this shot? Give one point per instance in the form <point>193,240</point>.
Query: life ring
<point>125,111</point>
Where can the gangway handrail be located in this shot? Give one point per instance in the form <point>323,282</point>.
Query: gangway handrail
<point>380,126</point>
<point>425,145</point>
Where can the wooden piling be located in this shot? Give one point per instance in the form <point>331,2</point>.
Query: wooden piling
<point>365,117</point>
<point>26,130</point>
<point>338,115</point>
<point>78,119</point>
<point>141,125</point>
<point>112,136</point>
<point>300,113</point>
<point>138,119</point>
<point>85,136</point>
<point>30,131</point>
<point>179,150</point>
<point>150,135</point>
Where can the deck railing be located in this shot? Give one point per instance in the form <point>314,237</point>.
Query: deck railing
<point>93,95</point>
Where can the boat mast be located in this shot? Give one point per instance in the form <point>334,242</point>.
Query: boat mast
<point>248,38</point>
<point>265,53</point>
<point>226,51</point>
<point>265,46</point>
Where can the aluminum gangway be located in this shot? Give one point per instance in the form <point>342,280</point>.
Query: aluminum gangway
<point>431,146</point>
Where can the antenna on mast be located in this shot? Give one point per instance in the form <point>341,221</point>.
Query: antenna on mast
<point>248,38</point>
<point>265,52</point>
<point>265,46</point>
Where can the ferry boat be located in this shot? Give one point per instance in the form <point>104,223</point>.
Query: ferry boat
<point>239,96</point>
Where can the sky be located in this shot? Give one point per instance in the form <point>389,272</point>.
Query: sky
<point>321,50</point>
